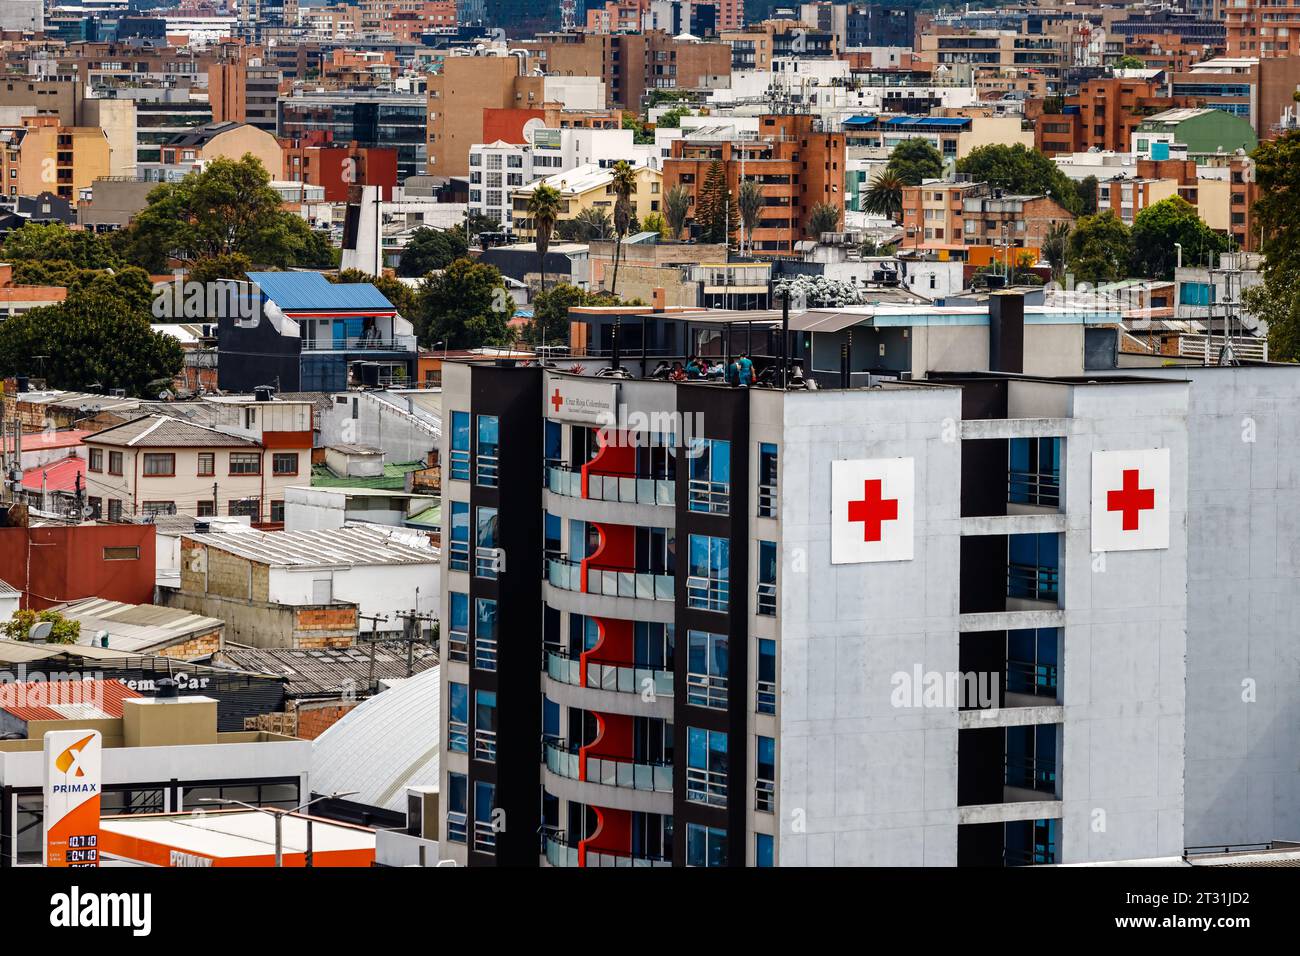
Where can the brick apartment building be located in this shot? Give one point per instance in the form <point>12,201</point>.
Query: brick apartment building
<point>794,161</point>
<point>1263,28</point>
<point>939,214</point>
<point>458,97</point>
<point>1102,114</point>
<point>318,161</point>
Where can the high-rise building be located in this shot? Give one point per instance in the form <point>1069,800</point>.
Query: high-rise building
<point>1263,28</point>
<point>917,616</point>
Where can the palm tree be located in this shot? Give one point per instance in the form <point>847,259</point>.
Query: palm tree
<point>624,186</point>
<point>677,206</point>
<point>824,217</point>
<point>1056,245</point>
<point>884,195</point>
<point>544,209</point>
<point>749,198</point>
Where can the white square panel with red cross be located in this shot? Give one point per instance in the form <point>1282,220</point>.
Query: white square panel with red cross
<point>1130,500</point>
<point>873,502</point>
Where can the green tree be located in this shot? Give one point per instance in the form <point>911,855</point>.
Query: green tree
<point>550,324</point>
<point>1129,62</point>
<point>915,159</point>
<point>430,249</point>
<point>45,242</point>
<point>640,135</point>
<point>394,290</point>
<point>884,195</point>
<point>98,335</point>
<point>1275,214</point>
<point>1056,248</point>
<point>589,224</point>
<point>466,306</point>
<point>131,282</point>
<point>1087,190</point>
<point>544,208</point>
<point>749,199</point>
<point>624,186</point>
<point>1099,249</point>
<point>235,266</point>
<point>654,222</point>
<point>227,207</point>
<point>19,627</point>
<point>1019,169</point>
<point>672,118</point>
<point>715,213</point>
<point>823,217</point>
<point>677,206</point>
<point>1159,227</point>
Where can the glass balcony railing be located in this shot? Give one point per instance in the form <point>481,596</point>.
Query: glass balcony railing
<point>567,575</point>
<point>565,762</point>
<point>627,489</point>
<point>560,851</point>
<point>624,680</point>
<point>360,343</point>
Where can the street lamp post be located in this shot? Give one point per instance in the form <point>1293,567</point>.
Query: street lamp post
<point>279,819</point>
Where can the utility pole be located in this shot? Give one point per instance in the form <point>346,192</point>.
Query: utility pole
<point>374,627</point>
<point>411,634</point>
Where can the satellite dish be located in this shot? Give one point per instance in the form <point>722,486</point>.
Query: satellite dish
<point>40,632</point>
<point>87,512</point>
<point>531,127</point>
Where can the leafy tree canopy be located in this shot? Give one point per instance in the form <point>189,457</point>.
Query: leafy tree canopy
<point>1019,169</point>
<point>1159,227</point>
<point>466,306</point>
<point>914,160</point>
<point>1277,173</point>
<point>40,242</point>
<point>1099,249</point>
<point>430,249</point>
<point>19,627</point>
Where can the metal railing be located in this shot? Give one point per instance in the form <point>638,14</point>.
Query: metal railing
<point>765,698</point>
<point>560,851</point>
<point>614,677</point>
<point>567,575</point>
<point>706,690</point>
<point>626,489</point>
<point>361,343</point>
<point>458,736</point>
<point>767,501</point>
<point>485,745</point>
<point>485,836</point>
<point>1027,677</point>
<point>487,562</point>
<point>565,762</point>
<point>1027,774</point>
<point>485,653</point>
<point>458,555</point>
<point>708,594</point>
<point>764,795</point>
<point>488,474</point>
<point>457,826</point>
<point>459,464</point>
<point>1034,488</point>
<point>766,594</point>
<point>458,646</point>
<point>706,786</point>
<point>711,497</point>
<point>1033,582</point>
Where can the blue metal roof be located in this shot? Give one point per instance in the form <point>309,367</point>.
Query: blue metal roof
<point>945,122</point>
<point>304,291</point>
<point>859,120</point>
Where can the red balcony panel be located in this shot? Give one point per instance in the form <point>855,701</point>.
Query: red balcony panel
<point>613,834</point>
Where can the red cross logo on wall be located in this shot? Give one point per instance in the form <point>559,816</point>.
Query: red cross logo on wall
<point>1131,499</point>
<point>557,399</point>
<point>873,509</point>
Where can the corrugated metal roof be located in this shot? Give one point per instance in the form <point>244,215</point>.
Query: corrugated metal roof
<point>8,589</point>
<point>320,548</point>
<point>388,743</point>
<point>65,700</point>
<point>46,440</point>
<point>58,476</point>
<point>161,431</point>
<point>393,478</point>
<point>137,627</point>
<point>328,671</point>
<point>305,291</point>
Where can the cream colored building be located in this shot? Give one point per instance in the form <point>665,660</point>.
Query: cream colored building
<point>160,465</point>
<point>589,186</point>
<point>116,117</point>
<point>190,150</point>
<point>993,130</point>
<point>44,156</point>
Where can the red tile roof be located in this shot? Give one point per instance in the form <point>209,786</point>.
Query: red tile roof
<point>60,475</point>
<point>65,700</point>
<point>42,441</point>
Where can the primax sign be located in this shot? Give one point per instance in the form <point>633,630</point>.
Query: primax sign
<point>73,781</point>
